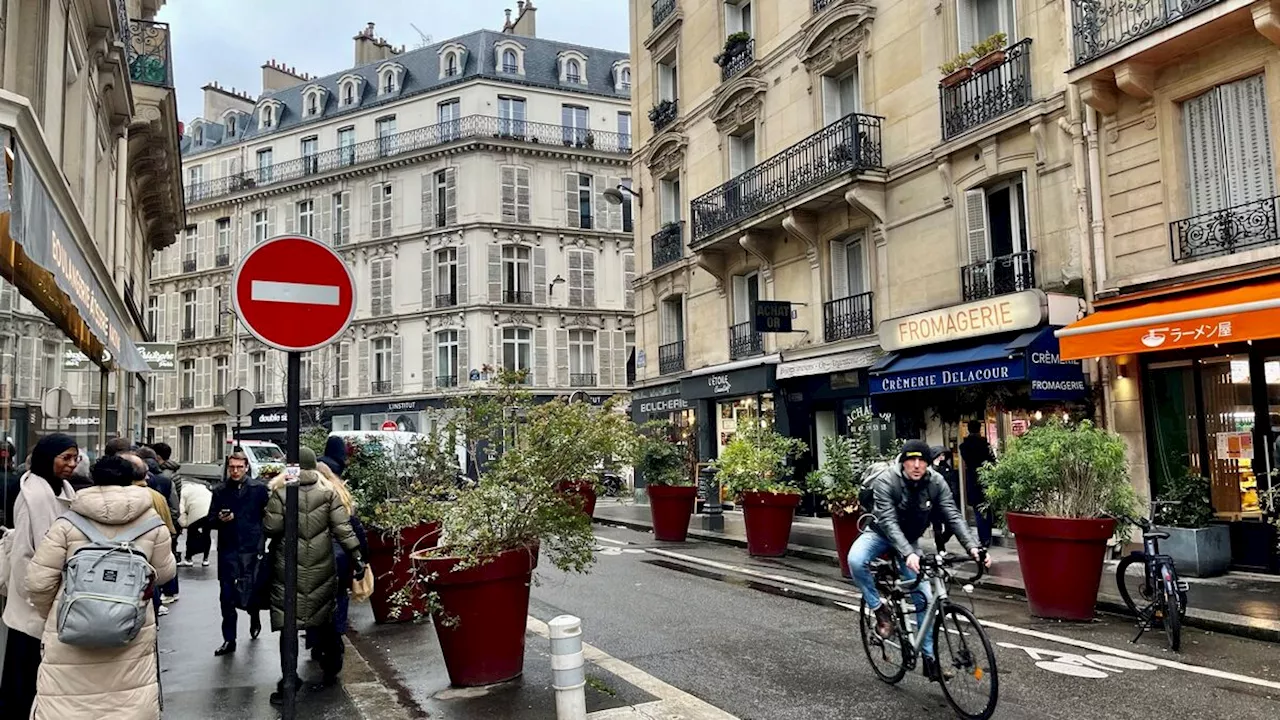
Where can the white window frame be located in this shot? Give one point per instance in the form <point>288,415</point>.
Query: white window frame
<point>967,32</point>
<point>347,145</point>
<point>222,227</point>
<point>739,16</point>
<point>380,360</point>
<point>190,311</point>
<point>669,199</point>
<point>261,226</point>
<point>446,356</point>
<point>738,145</point>
<point>517,269</point>
<point>153,317</point>
<point>306,218</point>
<point>520,340</point>
<point>221,377</point>
<point>446,277</point>
<point>582,352</point>
<point>258,374</point>
<point>190,244</point>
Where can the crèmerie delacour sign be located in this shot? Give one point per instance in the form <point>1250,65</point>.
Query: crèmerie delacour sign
<point>1001,314</point>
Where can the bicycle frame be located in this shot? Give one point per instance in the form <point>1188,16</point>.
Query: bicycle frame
<point>903,589</point>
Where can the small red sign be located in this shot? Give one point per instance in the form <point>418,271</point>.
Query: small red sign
<point>389,425</point>
<point>294,293</point>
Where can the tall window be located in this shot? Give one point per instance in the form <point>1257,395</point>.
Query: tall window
<point>221,377</point>
<point>223,248</point>
<point>310,147</point>
<point>628,277</point>
<point>451,65</point>
<point>669,199</point>
<point>997,220</point>
<point>673,319</point>
<point>667,75</point>
<point>219,442</point>
<point>582,358</point>
<point>187,442</point>
<point>264,165</point>
<point>450,112</point>
<point>1229,154</point>
<point>510,62</point>
<point>153,316</point>
<point>849,271</point>
<point>742,153</point>
<point>190,248</point>
<point>578,196</point>
<point>380,210</point>
<point>517,345</point>
<point>346,145</point>
<point>625,78</point>
<point>516,284</point>
<point>576,122</point>
<point>573,71</point>
<point>447,277</point>
<point>628,214</point>
<point>746,291</point>
<point>839,96</point>
<point>306,218</point>
<point>515,194</point>
<point>382,362</point>
<point>380,286</point>
<point>260,226</point>
<point>258,364</point>
<point>304,375</point>
<point>977,20</point>
<point>737,16</point>
<point>624,131</point>
<point>188,383</point>
<point>582,278</point>
<point>231,125</point>
<point>511,116</point>
<point>341,218</point>
<point>188,314</point>
<point>447,358</point>
<point>441,181</point>
<point>195,175</point>
<point>386,128</point>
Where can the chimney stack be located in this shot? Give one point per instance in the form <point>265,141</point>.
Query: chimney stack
<point>371,48</point>
<point>278,76</point>
<point>218,100</point>
<point>526,19</point>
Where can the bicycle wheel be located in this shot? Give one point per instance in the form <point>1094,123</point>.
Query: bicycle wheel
<point>886,655</point>
<point>1131,581</point>
<point>1173,606</point>
<point>970,680</point>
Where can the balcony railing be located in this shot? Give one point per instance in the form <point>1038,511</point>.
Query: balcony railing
<point>259,396</point>
<point>744,341</point>
<point>441,219</point>
<point>671,357</point>
<point>662,10</point>
<point>446,381</point>
<point>186,403</point>
<point>999,276</point>
<point>1227,231</point>
<point>582,379</point>
<point>987,95</point>
<point>850,144</point>
<point>188,266</point>
<point>222,260</point>
<point>151,405</point>
<point>848,317</point>
<point>472,127</point>
<point>304,393</point>
<point>820,5</point>
<point>188,333</point>
<point>735,61</point>
<point>663,114</point>
<point>446,300</point>
<point>337,390</point>
<point>150,59</point>
<point>380,387</point>
<point>668,244</point>
<point>1104,25</point>
<point>517,297</point>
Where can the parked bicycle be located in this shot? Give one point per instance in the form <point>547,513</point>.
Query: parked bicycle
<point>966,660</point>
<point>1155,595</point>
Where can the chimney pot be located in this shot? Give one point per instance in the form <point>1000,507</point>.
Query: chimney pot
<point>508,12</point>
<point>520,6</point>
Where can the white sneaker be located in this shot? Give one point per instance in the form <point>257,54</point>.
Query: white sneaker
<point>186,563</point>
<point>205,563</point>
<point>168,600</point>
<point>162,611</point>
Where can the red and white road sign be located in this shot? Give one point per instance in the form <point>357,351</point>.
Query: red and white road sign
<point>294,293</point>
<point>390,425</point>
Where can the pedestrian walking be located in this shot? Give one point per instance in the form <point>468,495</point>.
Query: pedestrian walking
<point>345,565</point>
<point>85,683</point>
<point>335,454</point>
<point>158,503</point>
<point>173,471</point>
<point>161,483</point>
<point>975,451</point>
<point>321,516</point>
<point>194,518</point>
<point>45,494</point>
<point>943,464</point>
<point>11,478</point>
<point>237,510</point>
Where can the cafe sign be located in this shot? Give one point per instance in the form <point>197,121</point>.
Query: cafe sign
<point>1001,314</point>
<point>160,357</point>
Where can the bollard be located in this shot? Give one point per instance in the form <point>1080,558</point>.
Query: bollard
<point>568,677</point>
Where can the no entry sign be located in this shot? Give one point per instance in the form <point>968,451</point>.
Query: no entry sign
<point>294,293</point>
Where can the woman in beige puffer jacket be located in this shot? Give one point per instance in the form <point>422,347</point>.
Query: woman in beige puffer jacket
<point>79,683</point>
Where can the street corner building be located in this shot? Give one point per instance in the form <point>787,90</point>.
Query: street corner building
<point>92,187</point>
<point>473,188</point>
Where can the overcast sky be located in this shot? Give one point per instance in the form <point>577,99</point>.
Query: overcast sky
<point>228,41</point>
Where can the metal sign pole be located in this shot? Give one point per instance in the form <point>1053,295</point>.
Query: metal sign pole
<point>289,641</point>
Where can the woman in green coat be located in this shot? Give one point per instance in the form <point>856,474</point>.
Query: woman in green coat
<point>321,515</point>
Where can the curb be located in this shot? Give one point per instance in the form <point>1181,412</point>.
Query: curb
<point>367,691</point>
<point>1210,620</point>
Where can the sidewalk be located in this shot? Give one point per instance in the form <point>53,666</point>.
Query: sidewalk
<point>1243,604</point>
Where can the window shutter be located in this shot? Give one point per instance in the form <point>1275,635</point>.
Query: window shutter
<point>375,211</point>
<point>628,280</point>
<point>964,25</point>
<point>620,358</point>
<point>522,196</point>
<point>271,221</point>
<point>508,193</point>
<point>161,322</point>
<point>573,214</point>
<point>464,358</point>
<point>463,297</point>
<point>362,386</point>
<point>740,301</point>
<point>389,207</point>
<point>562,358</point>
<point>205,251</point>
<point>326,219</point>
<point>344,369</point>
<point>428,296</point>
<point>495,348</point>
<point>857,259</point>
<point>1250,171</point>
<point>171,394</point>
<point>246,234</point>
<point>204,308</point>
<point>241,370</point>
<point>839,270</point>
<point>26,367</point>
<point>428,193</point>
<point>604,365</point>
<point>204,378</point>
<point>589,278</point>
<point>495,273</point>
<point>602,214</point>
<point>291,217</point>
<point>375,289</point>
<point>575,278</point>
<point>429,360</point>
<point>450,196</point>
<point>319,363</point>
<point>540,359</point>
<point>388,288</point>
<point>540,276</point>
<point>175,316</point>
<point>975,211</point>
<point>1206,189</point>
<point>397,364</point>
<point>345,226</point>
<point>275,368</point>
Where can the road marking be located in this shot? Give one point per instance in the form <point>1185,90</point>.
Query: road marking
<point>1050,637</point>
<point>291,292</point>
<point>1094,666</point>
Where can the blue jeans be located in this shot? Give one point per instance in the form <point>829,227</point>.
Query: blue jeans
<point>869,546</point>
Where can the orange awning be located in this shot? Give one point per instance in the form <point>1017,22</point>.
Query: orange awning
<point>1222,315</point>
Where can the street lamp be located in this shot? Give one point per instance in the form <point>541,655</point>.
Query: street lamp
<point>614,195</point>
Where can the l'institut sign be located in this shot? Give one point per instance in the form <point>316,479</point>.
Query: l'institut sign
<point>1004,313</point>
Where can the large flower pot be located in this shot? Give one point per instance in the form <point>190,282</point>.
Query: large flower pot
<point>481,618</point>
<point>846,529</point>
<point>671,507</point>
<point>393,570</point>
<point>582,492</point>
<point>768,519</point>
<point>1061,561</point>
<point>1198,552</point>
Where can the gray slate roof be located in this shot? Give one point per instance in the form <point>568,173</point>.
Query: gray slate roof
<point>422,74</point>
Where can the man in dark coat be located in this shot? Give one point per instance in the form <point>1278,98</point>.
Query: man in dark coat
<point>975,451</point>
<point>238,507</point>
<point>335,454</point>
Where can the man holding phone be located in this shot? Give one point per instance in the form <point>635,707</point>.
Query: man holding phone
<point>238,506</point>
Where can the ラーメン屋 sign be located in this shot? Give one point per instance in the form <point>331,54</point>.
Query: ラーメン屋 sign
<point>1004,313</point>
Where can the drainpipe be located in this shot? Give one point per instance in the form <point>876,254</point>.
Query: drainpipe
<point>1101,368</point>
<point>122,209</point>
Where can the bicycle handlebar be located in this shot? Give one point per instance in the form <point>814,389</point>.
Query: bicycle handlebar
<point>940,562</point>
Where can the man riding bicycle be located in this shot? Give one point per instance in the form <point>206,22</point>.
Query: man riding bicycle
<point>906,495</point>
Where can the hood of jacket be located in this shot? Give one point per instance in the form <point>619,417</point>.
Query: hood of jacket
<point>113,504</point>
<point>170,465</point>
<point>335,449</point>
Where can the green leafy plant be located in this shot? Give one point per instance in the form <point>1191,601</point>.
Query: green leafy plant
<point>994,42</point>
<point>1194,504</point>
<point>658,457</point>
<point>732,47</point>
<point>1063,470</point>
<point>661,109</point>
<point>847,459</point>
<point>401,485</point>
<point>757,459</point>
<point>959,62</point>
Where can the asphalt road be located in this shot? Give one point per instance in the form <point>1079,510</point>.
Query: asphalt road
<point>701,617</point>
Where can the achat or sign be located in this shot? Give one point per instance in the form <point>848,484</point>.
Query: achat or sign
<point>1005,313</point>
<point>773,316</point>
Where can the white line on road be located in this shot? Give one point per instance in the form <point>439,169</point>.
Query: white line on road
<point>291,292</point>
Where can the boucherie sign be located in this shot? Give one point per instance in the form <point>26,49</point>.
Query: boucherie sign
<point>1004,313</point>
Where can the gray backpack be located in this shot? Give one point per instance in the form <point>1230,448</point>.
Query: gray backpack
<point>106,587</point>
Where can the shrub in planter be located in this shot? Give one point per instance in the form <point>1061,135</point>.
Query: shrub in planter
<point>755,468</point>
<point>661,461</point>
<point>1197,548</point>
<point>989,53</point>
<point>956,70</point>
<point>732,46</point>
<point>1064,491</point>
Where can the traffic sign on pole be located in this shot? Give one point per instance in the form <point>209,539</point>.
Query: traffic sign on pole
<point>294,293</point>
<point>390,425</point>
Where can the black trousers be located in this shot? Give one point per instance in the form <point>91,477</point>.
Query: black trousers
<point>327,648</point>
<point>229,620</point>
<point>18,686</point>
<point>198,540</point>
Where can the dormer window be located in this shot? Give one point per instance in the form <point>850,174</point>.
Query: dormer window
<point>349,90</point>
<point>453,58</point>
<point>313,107</point>
<point>510,62</point>
<point>231,125</point>
<point>313,100</point>
<point>349,94</point>
<point>389,75</point>
<point>508,55</point>
<point>200,134</point>
<point>622,76</point>
<point>452,68</point>
<point>626,79</point>
<point>573,71</point>
<point>269,114</point>
<point>573,67</point>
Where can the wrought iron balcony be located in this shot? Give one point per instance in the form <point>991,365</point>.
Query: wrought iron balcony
<point>744,341</point>
<point>188,333</point>
<point>663,114</point>
<point>188,266</point>
<point>850,144</point>
<point>517,297</point>
<point>151,405</point>
<point>848,317</point>
<point>186,403</point>
<point>380,387</point>
<point>222,260</point>
<point>820,5</point>
<point>671,357</point>
<point>736,60</point>
<point>150,58</point>
<point>442,219</point>
<point>1101,26</point>
<point>662,10</point>
<point>446,300</point>
<point>336,390</point>
<point>989,94</point>
<point>999,276</point>
<point>582,380</point>
<point>446,381</point>
<point>1227,231</point>
<point>472,127</point>
<point>259,396</point>
<point>304,393</point>
<point>668,244</point>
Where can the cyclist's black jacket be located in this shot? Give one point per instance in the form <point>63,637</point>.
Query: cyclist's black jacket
<point>903,507</point>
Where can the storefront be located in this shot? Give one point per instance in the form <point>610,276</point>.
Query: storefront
<point>726,394</point>
<point>663,403</point>
<point>1202,364</point>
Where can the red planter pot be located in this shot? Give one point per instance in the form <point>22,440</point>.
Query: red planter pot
<point>482,615</point>
<point>582,491</point>
<point>768,519</point>
<point>1061,561</point>
<point>846,530</point>
<point>671,507</point>
<point>391,573</point>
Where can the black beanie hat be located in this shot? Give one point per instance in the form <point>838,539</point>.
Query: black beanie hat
<point>918,449</point>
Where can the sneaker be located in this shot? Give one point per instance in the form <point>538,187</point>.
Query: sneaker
<point>205,563</point>
<point>884,621</point>
<point>168,599</point>
<point>186,563</point>
<point>162,611</point>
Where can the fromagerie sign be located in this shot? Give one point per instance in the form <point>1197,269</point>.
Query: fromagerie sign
<point>1005,313</point>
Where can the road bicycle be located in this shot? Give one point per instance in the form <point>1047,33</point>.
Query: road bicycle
<point>1162,595</point>
<point>966,660</point>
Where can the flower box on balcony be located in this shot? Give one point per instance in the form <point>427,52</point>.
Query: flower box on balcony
<point>990,61</point>
<point>989,53</point>
<point>956,77</point>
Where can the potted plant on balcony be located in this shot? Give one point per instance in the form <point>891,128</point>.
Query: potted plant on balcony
<point>989,53</point>
<point>1064,491</point>
<point>754,467</point>
<point>733,46</point>
<point>662,110</point>
<point>955,71</point>
<point>1197,547</point>
<point>660,459</point>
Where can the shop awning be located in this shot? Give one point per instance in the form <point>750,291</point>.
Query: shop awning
<point>1209,317</point>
